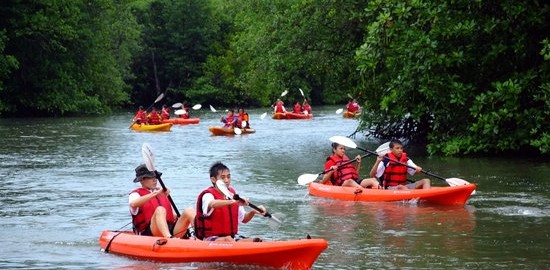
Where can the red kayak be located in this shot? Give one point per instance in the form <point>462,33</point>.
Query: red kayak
<point>455,195</point>
<point>182,121</point>
<point>288,254</point>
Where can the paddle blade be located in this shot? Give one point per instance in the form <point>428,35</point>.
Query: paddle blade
<point>301,92</point>
<point>263,115</point>
<point>284,93</point>
<point>306,178</point>
<point>237,131</point>
<point>345,141</point>
<point>456,182</point>
<point>243,124</point>
<point>306,113</point>
<point>339,111</point>
<point>177,105</point>
<point>349,95</point>
<point>383,149</point>
<point>197,107</point>
<point>180,112</point>
<point>276,221</point>
<point>148,156</point>
<point>212,109</point>
<point>223,188</point>
<point>161,96</point>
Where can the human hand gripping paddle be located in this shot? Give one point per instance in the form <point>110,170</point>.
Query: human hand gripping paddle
<point>282,95</point>
<point>159,98</point>
<point>149,158</point>
<point>275,219</point>
<point>307,178</point>
<point>236,130</point>
<point>347,142</point>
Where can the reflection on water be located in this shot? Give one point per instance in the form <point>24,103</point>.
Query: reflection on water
<point>65,180</point>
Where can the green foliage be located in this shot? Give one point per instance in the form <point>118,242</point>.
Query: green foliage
<point>462,76</point>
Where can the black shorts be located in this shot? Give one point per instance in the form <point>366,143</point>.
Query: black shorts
<point>147,231</point>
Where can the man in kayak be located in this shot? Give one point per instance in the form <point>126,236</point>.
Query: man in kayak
<point>345,175</point>
<point>306,107</point>
<point>353,106</point>
<point>297,107</point>
<point>165,113</point>
<point>242,115</point>
<point>151,211</point>
<point>279,106</point>
<point>218,217</point>
<point>154,117</point>
<point>393,175</point>
<point>141,116</point>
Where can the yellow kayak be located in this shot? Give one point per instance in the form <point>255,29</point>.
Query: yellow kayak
<point>145,127</point>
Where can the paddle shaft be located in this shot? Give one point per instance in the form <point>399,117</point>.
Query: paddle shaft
<point>404,164</point>
<point>345,163</point>
<point>266,214</point>
<point>157,174</point>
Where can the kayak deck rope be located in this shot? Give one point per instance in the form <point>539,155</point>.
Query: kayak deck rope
<point>111,241</point>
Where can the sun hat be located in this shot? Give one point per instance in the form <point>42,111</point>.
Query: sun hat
<point>142,172</point>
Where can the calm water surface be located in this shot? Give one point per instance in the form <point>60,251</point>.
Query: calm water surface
<point>64,181</point>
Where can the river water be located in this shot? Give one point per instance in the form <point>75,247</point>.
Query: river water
<point>64,181</point>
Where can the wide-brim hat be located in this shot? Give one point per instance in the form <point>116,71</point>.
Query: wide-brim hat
<point>143,172</point>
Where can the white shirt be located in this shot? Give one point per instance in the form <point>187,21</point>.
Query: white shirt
<point>208,197</point>
<point>381,168</point>
<point>131,198</point>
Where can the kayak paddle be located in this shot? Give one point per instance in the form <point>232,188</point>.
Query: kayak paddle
<point>349,143</point>
<point>149,158</point>
<point>307,178</point>
<point>223,188</point>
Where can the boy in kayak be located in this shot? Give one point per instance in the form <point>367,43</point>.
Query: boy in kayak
<point>230,121</point>
<point>141,116</point>
<point>345,175</point>
<point>242,115</point>
<point>394,175</point>
<point>151,211</point>
<point>279,106</point>
<point>306,107</point>
<point>218,217</point>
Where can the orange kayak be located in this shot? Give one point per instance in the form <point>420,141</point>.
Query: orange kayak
<point>182,121</point>
<point>457,195</point>
<point>221,131</point>
<point>291,115</point>
<point>159,127</point>
<point>289,254</point>
<point>348,114</point>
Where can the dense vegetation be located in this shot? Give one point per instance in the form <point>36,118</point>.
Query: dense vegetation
<point>459,76</point>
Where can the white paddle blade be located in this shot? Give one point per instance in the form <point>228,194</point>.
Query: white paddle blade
<point>306,113</point>
<point>177,105</point>
<point>301,92</point>
<point>306,178</point>
<point>339,111</point>
<point>349,95</point>
<point>276,221</point>
<point>148,156</point>
<point>212,109</point>
<point>243,124</point>
<point>345,141</point>
<point>223,188</point>
<point>456,182</point>
<point>237,131</point>
<point>161,96</point>
<point>284,93</point>
<point>180,112</point>
<point>197,107</point>
<point>263,115</point>
<point>383,149</point>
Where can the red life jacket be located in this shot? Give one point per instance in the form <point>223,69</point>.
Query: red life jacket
<point>395,174</point>
<point>343,173</point>
<point>307,108</point>
<point>154,118</point>
<point>165,114</point>
<point>141,117</point>
<point>143,217</point>
<point>222,221</point>
<point>229,120</point>
<point>297,108</point>
<point>352,107</point>
<point>279,107</point>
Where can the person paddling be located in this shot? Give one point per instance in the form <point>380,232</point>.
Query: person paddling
<point>306,107</point>
<point>218,217</point>
<point>151,211</point>
<point>279,106</point>
<point>165,113</point>
<point>394,175</point>
<point>230,121</point>
<point>242,115</point>
<point>141,116</point>
<point>345,175</point>
<point>154,117</point>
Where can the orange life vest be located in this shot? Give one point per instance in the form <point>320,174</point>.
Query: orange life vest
<point>343,173</point>
<point>154,118</point>
<point>141,117</point>
<point>243,117</point>
<point>222,221</point>
<point>143,217</point>
<point>395,174</point>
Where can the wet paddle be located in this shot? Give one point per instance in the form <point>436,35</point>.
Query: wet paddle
<point>339,111</point>
<point>177,105</point>
<point>149,158</point>
<point>282,95</point>
<point>161,96</point>
<point>223,188</point>
<point>349,143</point>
